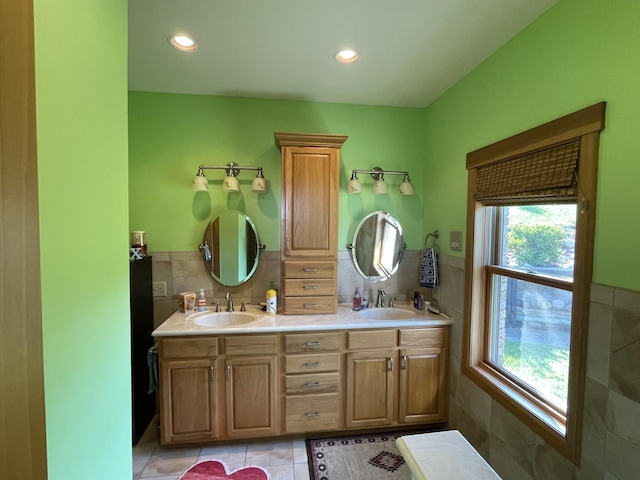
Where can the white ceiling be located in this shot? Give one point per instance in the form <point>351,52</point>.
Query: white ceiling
<point>411,51</point>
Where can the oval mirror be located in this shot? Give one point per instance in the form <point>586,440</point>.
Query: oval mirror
<point>231,248</point>
<point>377,246</point>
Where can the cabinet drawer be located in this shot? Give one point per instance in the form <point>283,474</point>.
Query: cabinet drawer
<point>251,344</point>
<point>309,286</point>
<point>308,413</point>
<point>312,383</point>
<point>371,339</point>
<point>189,347</point>
<point>309,269</point>
<point>309,305</point>
<point>312,342</point>
<point>422,337</point>
<point>322,362</point>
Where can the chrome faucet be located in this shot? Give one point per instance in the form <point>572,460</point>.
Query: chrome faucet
<point>381,295</point>
<point>229,302</point>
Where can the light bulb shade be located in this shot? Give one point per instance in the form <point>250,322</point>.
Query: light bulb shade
<point>379,187</point>
<point>230,184</point>
<point>200,183</point>
<point>259,185</point>
<point>406,188</point>
<point>354,187</point>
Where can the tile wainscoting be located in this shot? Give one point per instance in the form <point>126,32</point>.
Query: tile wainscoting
<point>186,272</point>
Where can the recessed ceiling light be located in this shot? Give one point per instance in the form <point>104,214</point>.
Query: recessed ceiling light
<point>183,43</point>
<point>347,56</point>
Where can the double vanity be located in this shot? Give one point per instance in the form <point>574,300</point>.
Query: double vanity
<point>317,366</point>
<point>226,375</point>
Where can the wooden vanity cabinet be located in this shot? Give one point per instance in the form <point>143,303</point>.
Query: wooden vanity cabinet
<point>260,385</point>
<point>370,378</point>
<point>188,393</point>
<point>309,236</point>
<point>251,385</point>
<point>422,390</point>
<point>312,382</point>
<point>388,384</point>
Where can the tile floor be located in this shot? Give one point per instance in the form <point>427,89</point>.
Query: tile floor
<point>283,459</point>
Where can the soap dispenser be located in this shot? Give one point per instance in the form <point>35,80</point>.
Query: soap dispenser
<point>357,300</point>
<point>202,301</point>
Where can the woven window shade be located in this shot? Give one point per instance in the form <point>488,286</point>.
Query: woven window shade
<point>545,176</point>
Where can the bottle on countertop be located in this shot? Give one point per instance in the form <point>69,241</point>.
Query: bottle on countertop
<point>202,301</point>
<point>272,303</point>
<point>419,301</point>
<point>357,300</point>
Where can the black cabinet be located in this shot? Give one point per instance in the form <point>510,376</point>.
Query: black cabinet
<point>141,292</point>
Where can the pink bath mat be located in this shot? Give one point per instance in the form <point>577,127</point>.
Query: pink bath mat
<point>217,470</point>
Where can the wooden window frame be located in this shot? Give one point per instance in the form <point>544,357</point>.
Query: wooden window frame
<point>563,432</point>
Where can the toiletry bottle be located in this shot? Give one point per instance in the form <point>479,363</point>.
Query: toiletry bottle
<point>419,301</point>
<point>272,296</point>
<point>202,301</point>
<point>357,300</point>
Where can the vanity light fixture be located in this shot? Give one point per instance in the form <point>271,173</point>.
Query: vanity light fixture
<point>183,43</point>
<point>230,183</point>
<point>379,186</point>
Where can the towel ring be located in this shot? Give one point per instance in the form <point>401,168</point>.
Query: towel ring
<point>435,234</point>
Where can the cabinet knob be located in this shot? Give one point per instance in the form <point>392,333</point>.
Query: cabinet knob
<point>228,372</point>
<point>211,374</point>
<point>404,362</point>
<point>390,364</point>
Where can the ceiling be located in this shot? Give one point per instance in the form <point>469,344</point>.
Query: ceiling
<point>411,51</point>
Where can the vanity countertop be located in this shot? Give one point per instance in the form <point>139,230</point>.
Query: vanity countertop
<point>180,324</point>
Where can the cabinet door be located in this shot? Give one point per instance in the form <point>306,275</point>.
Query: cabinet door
<point>251,396</point>
<point>370,388</point>
<point>310,182</point>
<point>422,389</point>
<point>188,407</point>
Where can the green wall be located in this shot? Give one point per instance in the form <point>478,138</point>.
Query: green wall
<point>578,53</point>
<point>170,135</point>
<point>81,105</point>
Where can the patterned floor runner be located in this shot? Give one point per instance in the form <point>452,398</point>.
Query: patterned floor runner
<point>363,457</point>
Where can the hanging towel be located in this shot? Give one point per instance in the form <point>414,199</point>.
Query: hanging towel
<point>152,362</point>
<point>429,268</point>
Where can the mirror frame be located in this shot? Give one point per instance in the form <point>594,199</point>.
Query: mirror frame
<point>380,217</point>
<point>208,249</point>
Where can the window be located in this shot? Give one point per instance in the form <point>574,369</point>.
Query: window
<point>530,223</point>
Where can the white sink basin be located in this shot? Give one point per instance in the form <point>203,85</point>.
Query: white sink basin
<point>386,314</point>
<point>221,319</point>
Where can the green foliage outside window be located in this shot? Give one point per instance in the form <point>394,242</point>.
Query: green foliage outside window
<point>539,245</point>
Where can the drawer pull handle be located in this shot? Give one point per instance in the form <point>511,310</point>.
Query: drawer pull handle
<point>312,364</point>
<point>310,305</point>
<point>390,364</point>
<point>211,374</point>
<point>312,344</point>
<point>228,372</point>
<point>312,385</point>
<point>310,270</point>
<point>404,362</point>
<point>312,414</point>
<point>309,287</point>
